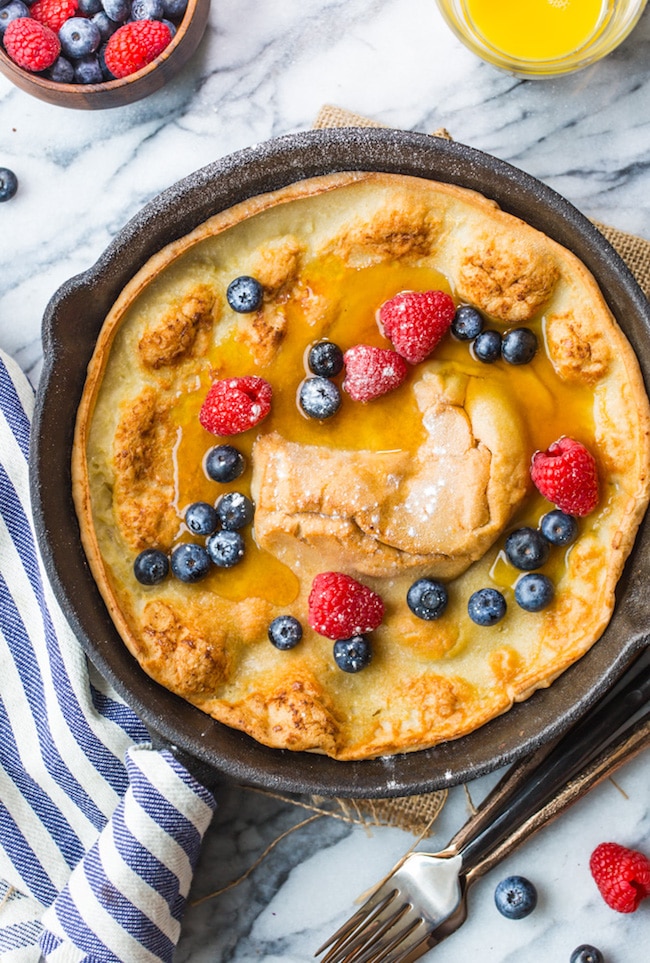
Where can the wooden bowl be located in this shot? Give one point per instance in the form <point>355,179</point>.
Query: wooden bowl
<point>118,93</point>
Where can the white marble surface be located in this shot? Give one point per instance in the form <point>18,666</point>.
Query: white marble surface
<point>265,69</point>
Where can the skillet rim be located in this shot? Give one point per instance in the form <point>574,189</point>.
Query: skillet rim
<point>170,215</point>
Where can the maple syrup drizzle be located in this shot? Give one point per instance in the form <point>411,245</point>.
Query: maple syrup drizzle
<point>348,300</point>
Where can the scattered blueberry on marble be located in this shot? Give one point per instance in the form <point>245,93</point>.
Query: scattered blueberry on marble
<point>8,184</point>
<point>468,323</point>
<point>427,599</point>
<point>201,518</point>
<point>234,511</point>
<point>558,528</point>
<point>225,548</point>
<point>352,655</point>
<point>245,294</point>
<point>534,592</point>
<point>526,549</point>
<point>586,954</point>
<point>486,606</point>
<point>190,562</point>
<point>487,346</point>
<point>285,632</point>
<point>224,463</point>
<point>519,346</point>
<point>325,359</point>
<point>151,566</point>
<point>515,897</point>
<point>319,397</point>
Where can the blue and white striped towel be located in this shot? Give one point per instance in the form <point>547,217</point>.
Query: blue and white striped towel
<point>99,832</point>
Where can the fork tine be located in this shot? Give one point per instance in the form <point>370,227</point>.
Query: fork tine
<point>382,952</point>
<point>374,905</point>
<point>379,935</point>
<point>416,950</point>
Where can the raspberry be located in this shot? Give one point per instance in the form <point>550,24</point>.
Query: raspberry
<point>566,474</point>
<point>415,322</point>
<point>622,875</point>
<point>371,372</point>
<point>134,45</point>
<point>54,13</point>
<point>235,405</point>
<point>31,44</point>
<point>340,607</point>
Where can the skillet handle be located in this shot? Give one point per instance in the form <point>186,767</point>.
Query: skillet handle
<point>529,786</point>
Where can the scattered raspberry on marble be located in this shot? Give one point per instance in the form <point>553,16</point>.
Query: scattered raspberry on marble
<point>234,405</point>
<point>416,321</point>
<point>622,875</point>
<point>371,372</point>
<point>566,474</point>
<point>134,45</point>
<point>340,607</point>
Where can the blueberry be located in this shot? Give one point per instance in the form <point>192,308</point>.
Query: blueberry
<point>519,346</point>
<point>201,518</point>
<point>526,549</point>
<point>117,10</point>
<point>352,655</point>
<point>88,70</point>
<point>467,324</point>
<point>427,599</point>
<point>224,463</point>
<point>515,897</point>
<point>151,566</point>
<point>487,606</point>
<point>285,632</point>
<point>8,184</point>
<point>90,7</point>
<point>534,592</point>
<point>319,397</point>
<point>79,37</point>
<point>225,548</point>
<point>245,294</point>
<point>190,562</point>
<point>487,346</point>
<point>559,528</point>
<point>147,10</point>
<point>14,10</point>
<point>174,9</point>
<point>61,71</point>
<point>234,511</point>
<point>586,954</point>
<point>326,359</point>
<point>105,25</point>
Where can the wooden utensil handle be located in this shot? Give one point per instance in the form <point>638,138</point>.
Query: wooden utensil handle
<point>529,786</point>
<point>623,749</point>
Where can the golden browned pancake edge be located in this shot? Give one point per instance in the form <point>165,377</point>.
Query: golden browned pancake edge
<point>171,332</point>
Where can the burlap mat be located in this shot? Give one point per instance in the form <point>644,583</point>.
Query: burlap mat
<point>417,813</point>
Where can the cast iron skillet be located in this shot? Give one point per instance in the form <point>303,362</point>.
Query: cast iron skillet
<point>71,324</point>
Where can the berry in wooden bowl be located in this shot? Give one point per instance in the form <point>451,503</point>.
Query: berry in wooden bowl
<point>89,54</point>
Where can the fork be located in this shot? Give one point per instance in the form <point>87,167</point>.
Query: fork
<point>424,900</point>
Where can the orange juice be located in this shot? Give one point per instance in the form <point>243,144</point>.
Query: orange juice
<point>535,29</point>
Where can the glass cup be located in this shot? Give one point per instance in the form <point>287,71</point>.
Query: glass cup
<point>541,38</point>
